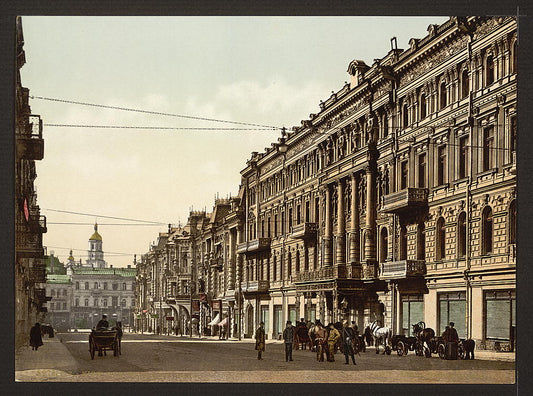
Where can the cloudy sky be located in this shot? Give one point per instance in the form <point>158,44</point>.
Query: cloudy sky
<point>262,70</point>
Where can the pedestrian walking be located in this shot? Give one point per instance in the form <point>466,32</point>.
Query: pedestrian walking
<point>288,340</point>
<point>320,341</point>
<point>36,339</point>
<point>260,340</point>
<point>332,338</point>
<point>348,339</point>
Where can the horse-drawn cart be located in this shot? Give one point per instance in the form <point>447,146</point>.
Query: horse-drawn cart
<point>104,340</point>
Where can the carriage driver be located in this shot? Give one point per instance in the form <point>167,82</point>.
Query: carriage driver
<point>103,323</point>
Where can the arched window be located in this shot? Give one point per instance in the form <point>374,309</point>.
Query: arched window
<point>443,95</point>
<point>403,243</point>
<point>421,242</point>
<point>405,113</point>
<point>96,285</point>
<point>123,303</point>
<point>124,286</point>
<point>461,235</point>
<point>383,245</point>
<point>489,70</point>
<point>465,84</point>
<point>486,229</point>
<point>440,234</point>
<point>512,222</point>
<point>423,106</point>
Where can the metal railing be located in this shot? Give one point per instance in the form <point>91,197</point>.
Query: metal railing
<point>403,269</point>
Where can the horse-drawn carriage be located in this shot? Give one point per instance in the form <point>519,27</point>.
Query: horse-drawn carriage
<point>105,340</point>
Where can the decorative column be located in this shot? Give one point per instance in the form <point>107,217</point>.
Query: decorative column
<point>232,260</point>
<point>354,229</point>
<point>297,304</point>
<point>321,307</point>
<point>341,226</point>
<point>328,230</point>
<point>370,221</point>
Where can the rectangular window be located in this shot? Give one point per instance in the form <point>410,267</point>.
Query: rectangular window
<point>104,302</point>
<point>500,314</point>
<point>452,308</point>
<point>115,286</point>
<point>114,301</point>
<point>95,302</point>
<point>412,311</point>
<point>268,228</point>
<point>298,214</point>
<point>317,210</point>
<point>64,306</point>
<point>77,302</point>
<point>264,317</point>
<point>488,148</point>
<point>404,174</point>
<point>278,320</point>
<point>282,223</point>
<point>441,167</point>
<point>86,302</point>
<point>290,219</point>
<point>307,211</point>
<point>77,285</point>
<point>275,225</point>
<point>292,314</point>
<point>422,170</point>
<point>463,156</point>
<point>105,285</point>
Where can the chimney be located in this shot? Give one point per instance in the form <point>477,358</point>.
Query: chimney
<point>129,266</point>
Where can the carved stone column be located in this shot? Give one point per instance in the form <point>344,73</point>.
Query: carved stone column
<point>297,304</point>
<point>370,223</point>
<point>341,226</point>
<point>328,230</point>
<point>232,260</point>
<point>354,229</point>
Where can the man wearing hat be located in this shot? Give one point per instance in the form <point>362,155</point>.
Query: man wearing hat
<point>102,323</point>
<point>260,340</point>
<point>452,334</point>
<point>288,339</point>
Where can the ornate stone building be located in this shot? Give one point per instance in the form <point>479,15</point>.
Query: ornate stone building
<point>30,225</point>
<point>396,202</point>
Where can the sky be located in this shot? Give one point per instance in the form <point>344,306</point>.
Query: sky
<point>269,71</point>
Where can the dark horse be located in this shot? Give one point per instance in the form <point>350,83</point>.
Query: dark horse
<point>423,336</point>
<point>468,347</point>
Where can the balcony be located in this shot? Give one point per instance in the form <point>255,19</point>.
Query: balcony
<point>260,286</point>
<point>30,145</point>
<point>304,230</point>
<point>37,223</point>
<point>407,199</point>
<point>29,245</point>
<point>403,269</point>
<point>319,274</point>
<point>256,245</point>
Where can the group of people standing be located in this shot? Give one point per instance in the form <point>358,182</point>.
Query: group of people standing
<point>323,340</point>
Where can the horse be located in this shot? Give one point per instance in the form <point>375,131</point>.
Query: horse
<point>424,336</point>
<point>468,346</point>
<point>380,335</point>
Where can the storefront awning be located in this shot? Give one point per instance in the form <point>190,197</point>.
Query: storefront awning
<point>224,322</point>
<point>214,321</point>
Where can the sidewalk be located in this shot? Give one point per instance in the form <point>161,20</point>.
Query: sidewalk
<point>53,355</point>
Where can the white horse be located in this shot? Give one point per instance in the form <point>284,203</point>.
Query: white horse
<point>382,335</point>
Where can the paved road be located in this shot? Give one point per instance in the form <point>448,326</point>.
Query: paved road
<point>148,358</point>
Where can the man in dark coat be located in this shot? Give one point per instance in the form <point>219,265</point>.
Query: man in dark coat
<point>36,339</point>
<point>102,323</point>
<point>302,334</point>
<point>453,336</point>
<point>288,339</point>
<point>348,338</point>
<point>260,340</point>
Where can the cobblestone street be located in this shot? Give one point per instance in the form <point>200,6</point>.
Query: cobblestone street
<point>151,358</point>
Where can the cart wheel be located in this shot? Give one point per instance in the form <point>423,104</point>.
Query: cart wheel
<point>91,350</point>
<point>400,348</point>
<point>441,350</point>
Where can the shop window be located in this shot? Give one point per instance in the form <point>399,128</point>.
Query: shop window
<point>412,311</point>
<point>264,318</point>
<point>487,230</point>
<point>292,314</point>
<point>440,240</point>
<point>500,314</point>
<point>452,308</point>
<point>278,320</point>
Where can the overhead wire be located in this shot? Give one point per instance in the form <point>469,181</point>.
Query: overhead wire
<point>156,127</point>
<point>103,216</point>
<point>151,112</point>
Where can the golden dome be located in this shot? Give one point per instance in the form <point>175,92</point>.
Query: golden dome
<point>96,236</point>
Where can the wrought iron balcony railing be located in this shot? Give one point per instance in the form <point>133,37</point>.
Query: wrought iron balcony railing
<point>319,274</point>
<point>256,245</point>
<point>259,286</point>
<point>304,230</point>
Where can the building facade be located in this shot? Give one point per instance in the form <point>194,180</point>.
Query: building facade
<point>396,202</point>
<point>30,225</point>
